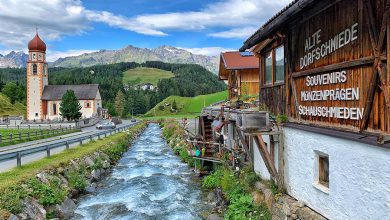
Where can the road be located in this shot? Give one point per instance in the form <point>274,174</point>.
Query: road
<point>85,132</point>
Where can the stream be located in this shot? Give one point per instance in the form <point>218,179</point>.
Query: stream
<point>149,182</point>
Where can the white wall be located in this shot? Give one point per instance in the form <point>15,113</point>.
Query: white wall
<point>86,112</point>
<point>258,162</point>
<point>34,98</point>
<point>359,176</point>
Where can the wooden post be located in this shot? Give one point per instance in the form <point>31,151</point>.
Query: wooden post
<point>1,139</point>
<point>28,135</point>
<point>281,157</point>
<point>244,144</point>
<point>81,142</point>
<point>19,159</point>
<point>267,158</point>
<point>10,137</point>
<point>20,136</point>
<point>67,145</point>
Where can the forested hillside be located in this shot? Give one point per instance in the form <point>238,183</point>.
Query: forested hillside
<point>188,80</point>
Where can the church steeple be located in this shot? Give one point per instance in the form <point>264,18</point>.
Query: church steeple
<point>37,78</point>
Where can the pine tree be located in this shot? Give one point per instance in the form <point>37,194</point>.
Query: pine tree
<point>70,106</point>
<point>119,103</point>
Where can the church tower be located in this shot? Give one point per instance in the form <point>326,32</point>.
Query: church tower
<point>37,78</point>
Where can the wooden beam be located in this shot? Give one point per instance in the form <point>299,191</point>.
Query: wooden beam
<point>336,66</point>
<point>266,157</point>
<point>244,144</point>
<point>379,69</point>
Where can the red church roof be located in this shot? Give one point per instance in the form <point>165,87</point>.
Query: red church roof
<point>36,44</point>
<point>235,60</point>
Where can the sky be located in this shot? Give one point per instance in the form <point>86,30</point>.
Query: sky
<point>73,27</point>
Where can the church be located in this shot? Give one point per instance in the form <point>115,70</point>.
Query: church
<point>43,100</point>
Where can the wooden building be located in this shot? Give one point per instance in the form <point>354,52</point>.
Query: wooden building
<point>241,70</point>
<point>324,65</point>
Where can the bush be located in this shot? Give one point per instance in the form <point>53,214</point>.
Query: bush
<point>77,179</point>
<point>47,194</point>
<point>11,198</point>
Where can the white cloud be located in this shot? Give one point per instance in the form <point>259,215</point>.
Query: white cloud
<point>58,18</point>
<point>240,33</point>
<point>121,22</point>
<point>55,55</point>
<point>228,14</point>
<point>208,51</point>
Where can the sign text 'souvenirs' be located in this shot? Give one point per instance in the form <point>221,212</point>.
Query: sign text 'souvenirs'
<point>334,94</point>
<point>315,49</point>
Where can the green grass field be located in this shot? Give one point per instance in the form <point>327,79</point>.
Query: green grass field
<point>6,108</point>
<point>188,106</point>
<point>143,75</point>
<point>6,141</point>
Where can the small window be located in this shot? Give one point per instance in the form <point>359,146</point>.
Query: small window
<point>279,64</point>
<point>323,170</point>
<point>35,69</point>
<point>36,114</point>
<point>54,109</point>
<point>268,69</point>
<point>87,105</point>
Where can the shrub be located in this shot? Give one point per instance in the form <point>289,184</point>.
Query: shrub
<point>97,164</point>
<point>77,179</point>
<point>10,199</point>
<point>47,194</point>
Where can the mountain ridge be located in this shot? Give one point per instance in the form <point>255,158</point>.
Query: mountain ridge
<point>130,53</point>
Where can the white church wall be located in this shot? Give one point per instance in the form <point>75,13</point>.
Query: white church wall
<point>34,98</point>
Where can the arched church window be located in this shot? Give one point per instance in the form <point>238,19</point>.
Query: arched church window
<point>35,69</point>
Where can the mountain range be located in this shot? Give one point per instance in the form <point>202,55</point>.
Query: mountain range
<point>13,59</point>
<point>167,54</point>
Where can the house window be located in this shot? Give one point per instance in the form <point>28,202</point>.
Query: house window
<point>87,105</point>
<point>279,64</point>
<point>274,66</point>
<point>54,109</point>
<point>268,69</point>
<point>35,69</point>
<point>323,170</point>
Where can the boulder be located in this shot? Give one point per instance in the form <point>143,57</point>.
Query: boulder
<point>13,217</point>
<point>91,188</point>
<point>258,197</point>
<point>43,177</point>
<point>307,213</point>
<point>211,196</point>
<point>66,209</point>
<point>96,174</point>
<point>214,216</point>
<point>88,161</point>
<point>33,209</point>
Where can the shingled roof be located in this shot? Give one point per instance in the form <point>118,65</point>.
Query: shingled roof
<point>233,60</point>
<point>82,92</point>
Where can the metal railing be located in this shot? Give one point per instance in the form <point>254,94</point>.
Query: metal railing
<point>19,154</point>
<point>33,134</point>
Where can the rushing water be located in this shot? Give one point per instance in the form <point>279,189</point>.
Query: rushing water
<point>149,182</point>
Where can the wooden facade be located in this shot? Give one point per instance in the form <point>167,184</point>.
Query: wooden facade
<point>335,63</point>
<point>241,73</point>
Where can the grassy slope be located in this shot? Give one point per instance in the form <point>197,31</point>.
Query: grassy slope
<point>187,105</point>
<point>6,108</point>
<point>142,75</point>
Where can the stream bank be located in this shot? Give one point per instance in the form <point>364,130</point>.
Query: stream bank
<point>50,187</point>
<point>149,182</point>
